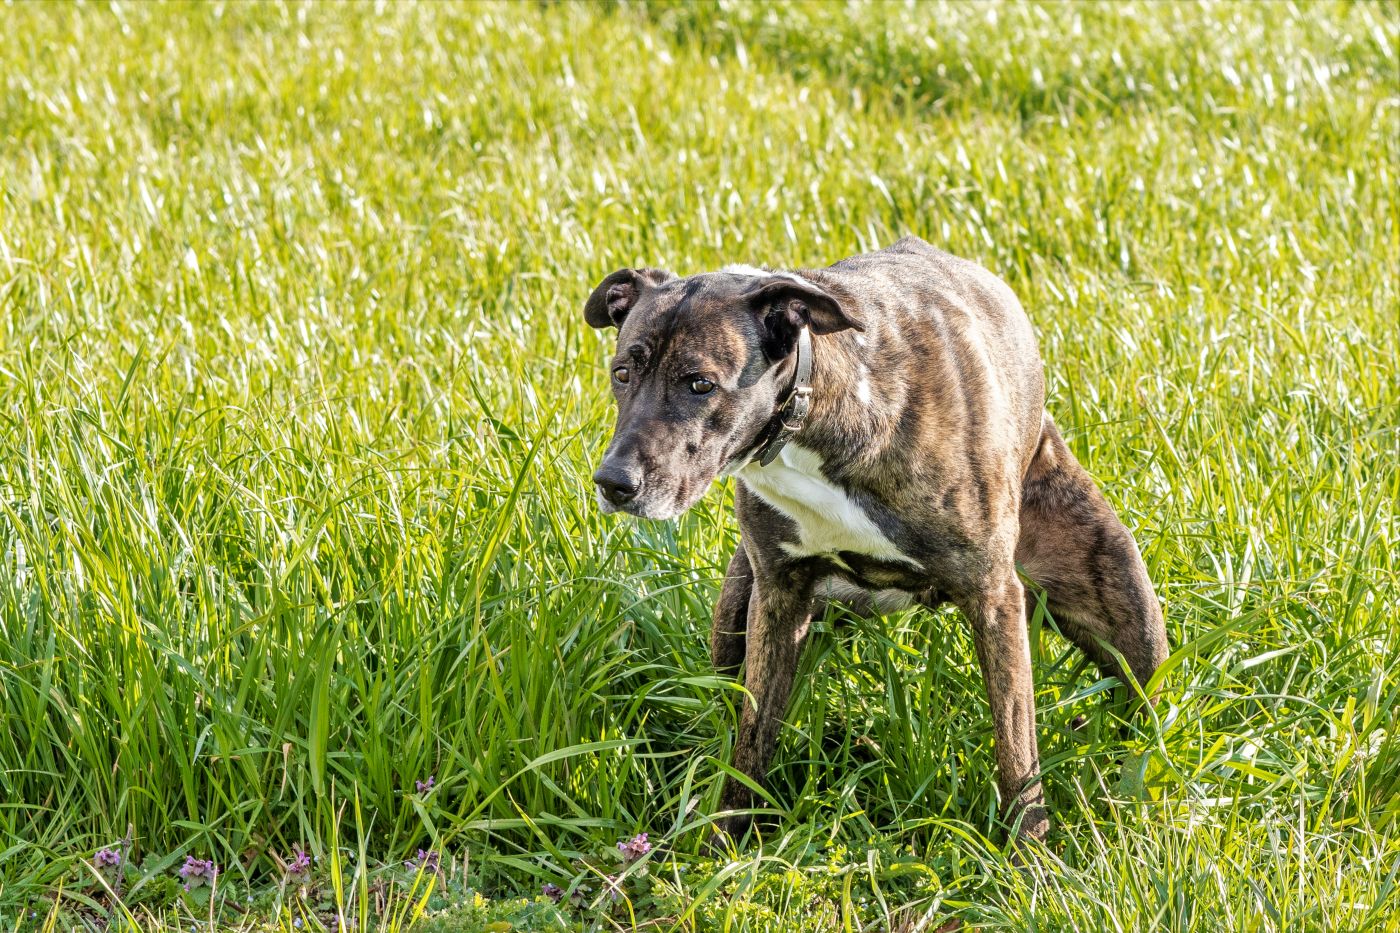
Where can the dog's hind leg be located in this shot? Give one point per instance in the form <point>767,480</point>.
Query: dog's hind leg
<point>731,620</point>
<point>1073,545</point>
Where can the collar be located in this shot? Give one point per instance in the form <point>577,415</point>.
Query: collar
<point>791,413</point>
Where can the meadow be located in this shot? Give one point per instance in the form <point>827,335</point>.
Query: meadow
<point>305,603</point>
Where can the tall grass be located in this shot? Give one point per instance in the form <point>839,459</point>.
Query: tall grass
<point>297,412</point>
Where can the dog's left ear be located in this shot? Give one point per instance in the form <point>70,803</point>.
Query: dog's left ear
<point>617,295</point>
<point>786,303</point>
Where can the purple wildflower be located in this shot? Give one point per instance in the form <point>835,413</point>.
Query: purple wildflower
<point>579,897</point>
<point>108,858</point>
<point>425,860</point>
<point>633,849</point>
<point>552,891</point>
<point>300,863</point>
<point>198,871</point>
<point>612,887</point>
<point>424,786</point>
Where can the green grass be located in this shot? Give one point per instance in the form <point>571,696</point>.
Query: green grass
<point>298,410</point>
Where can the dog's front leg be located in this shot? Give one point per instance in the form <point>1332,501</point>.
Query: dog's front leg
<point>731,619</point>
<point>999,634</point>
<point>780,610</point>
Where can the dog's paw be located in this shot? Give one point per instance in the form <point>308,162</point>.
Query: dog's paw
<point>1029,837</point>
<point>725,835</point>
<point>1028,845</point>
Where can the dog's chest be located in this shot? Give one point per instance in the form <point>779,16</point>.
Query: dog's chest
<point>829,521</point>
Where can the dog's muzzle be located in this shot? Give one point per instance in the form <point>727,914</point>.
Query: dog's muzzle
<point>617,484</point>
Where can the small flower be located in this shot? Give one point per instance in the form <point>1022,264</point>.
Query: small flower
<point>424,786</point>
<point>579,897</point>
<point>198,871</point>
<point>297,923</point>
<point>425,860</point>
<point>108,858</point>
<point>633,849</point>
<point>300,863</point>
<point>552,891</point>
<point>612,887</point>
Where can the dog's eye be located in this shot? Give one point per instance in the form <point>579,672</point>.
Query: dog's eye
<point>700,385</point>
<point>622,375</point>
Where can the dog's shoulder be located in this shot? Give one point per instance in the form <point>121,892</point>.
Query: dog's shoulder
<point>900,250</point>
<point>912,260</point>
<point>915,275</point>
<point>916,246</point>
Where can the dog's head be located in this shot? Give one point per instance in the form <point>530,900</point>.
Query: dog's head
<point>701,363</point>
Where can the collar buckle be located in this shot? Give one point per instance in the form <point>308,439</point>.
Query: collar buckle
<point>794,412</point>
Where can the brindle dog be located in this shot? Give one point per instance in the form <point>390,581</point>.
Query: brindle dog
<point>916,462</point>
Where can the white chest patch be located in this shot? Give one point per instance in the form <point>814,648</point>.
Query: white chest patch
<point>828,520</point>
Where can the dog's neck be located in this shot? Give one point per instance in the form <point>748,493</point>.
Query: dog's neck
<point>851,417</point>
<point>794,405</point>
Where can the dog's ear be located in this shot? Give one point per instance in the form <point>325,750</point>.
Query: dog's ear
<point>784,303</point>
<point>617,294</point>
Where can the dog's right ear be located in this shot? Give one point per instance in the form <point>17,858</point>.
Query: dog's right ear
<point>617,294</point>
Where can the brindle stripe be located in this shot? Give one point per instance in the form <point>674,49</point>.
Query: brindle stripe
<point>974,414</point>
<point>669,323</point>
<point>1096,560</point>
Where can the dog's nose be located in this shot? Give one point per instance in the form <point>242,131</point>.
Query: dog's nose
<point>617,485</point>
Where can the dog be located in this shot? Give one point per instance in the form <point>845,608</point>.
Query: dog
<point>885,418</point>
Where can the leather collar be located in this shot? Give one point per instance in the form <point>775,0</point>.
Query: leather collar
<point>792,411</point>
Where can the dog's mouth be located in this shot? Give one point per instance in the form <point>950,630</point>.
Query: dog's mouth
<point>642,508</point>
<point>663,494</point>
<point>662,503</point>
